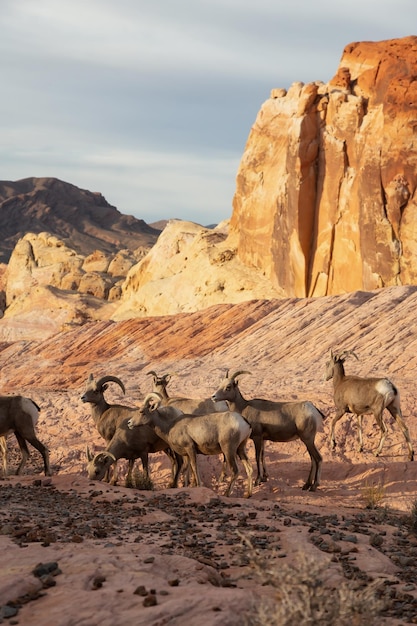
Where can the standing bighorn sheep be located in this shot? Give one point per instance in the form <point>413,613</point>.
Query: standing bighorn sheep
<point>19,415</point>
<point>275,421</point>
<point>209,434</point>
<point>362,396</point>
<point>189,406</point>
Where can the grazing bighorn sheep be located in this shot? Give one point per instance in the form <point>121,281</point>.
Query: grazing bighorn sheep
<point>19,415</point>
<point>362,396</point>
<point>275,421</point>
<point>3,455</point>
<point>132,444</point>
<point>108,417</point>
<point>210,434</point>
<point>189,406</point>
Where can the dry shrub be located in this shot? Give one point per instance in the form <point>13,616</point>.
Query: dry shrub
<point>140,481</point>
<point>304,595</point>
<point>373,494</point>
<point>412,518</point>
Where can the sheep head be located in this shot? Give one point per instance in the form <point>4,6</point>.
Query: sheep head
<point>141,416</point>
<point>99,464</point>
<point>94,390</point>
<point>337,358</point>
<point>227,388</point>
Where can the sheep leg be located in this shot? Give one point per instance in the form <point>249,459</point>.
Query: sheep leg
<point>360,435</point>
<point>258,442</point>
<point>176,465</point>
<point>313,479</point>
<point>223,473</point>
<point>3,454</point>
<point>192,462</point>
<point>34,441</point>
<point>129,475</point>
<point>264,472</point>
<point>241,452</point>
<point>384,430</point>
<point>113,470</point>
<point>336,418</point>
<point>396,414</point>
<point>24,452</point>
<point>234,471</point>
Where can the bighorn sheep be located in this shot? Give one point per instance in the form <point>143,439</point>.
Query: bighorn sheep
<point>3,455</point>
<point>209,434</point>
<point>362,396</point>
<point>19,415</point>
<point>189,406</point>
<point>131,444</point>
<point>108,417</point>
<point>275,421</point>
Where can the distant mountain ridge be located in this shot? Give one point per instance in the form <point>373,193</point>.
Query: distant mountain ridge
<point>84,220</point>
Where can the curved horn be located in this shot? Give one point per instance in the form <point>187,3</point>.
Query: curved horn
<point>152,373</point>
<point>239,373</point>
<point>111,379</point>
<point>152,399</point>
<point>102,456</point>
<point>347,353</point>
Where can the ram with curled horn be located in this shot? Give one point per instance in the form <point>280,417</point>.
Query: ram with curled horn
<point>106,416</point>
<point>275,421</point>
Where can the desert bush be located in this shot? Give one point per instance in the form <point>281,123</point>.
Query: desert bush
<point>412,517</point>
<point>373,494</point>
<point>140,481</point>
<point>304,595</point>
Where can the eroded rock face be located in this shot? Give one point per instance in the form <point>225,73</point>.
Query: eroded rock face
<point>325,198</point>
<point>189,268</point>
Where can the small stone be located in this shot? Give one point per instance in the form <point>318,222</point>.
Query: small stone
<point>150,600</point>
<point>149,559</point>
<point>140,591</point>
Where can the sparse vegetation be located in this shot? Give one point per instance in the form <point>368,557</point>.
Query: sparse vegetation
<point>139,480</point>
<point>412,519</point>
<point>373,494</point>
<point>304,594</point>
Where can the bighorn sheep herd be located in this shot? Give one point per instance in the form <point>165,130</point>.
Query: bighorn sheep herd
<point>186,428</point>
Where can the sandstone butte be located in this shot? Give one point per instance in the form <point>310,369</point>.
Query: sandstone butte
<point>325,197</point>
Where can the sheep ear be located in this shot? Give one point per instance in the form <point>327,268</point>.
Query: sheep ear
<point>89,455</point>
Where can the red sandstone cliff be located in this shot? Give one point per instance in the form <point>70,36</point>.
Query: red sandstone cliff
<point>325,198</point>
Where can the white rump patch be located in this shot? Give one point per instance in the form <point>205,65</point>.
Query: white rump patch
<point>29,407</point>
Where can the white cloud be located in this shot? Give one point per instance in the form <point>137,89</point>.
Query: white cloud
<point>151,101</point>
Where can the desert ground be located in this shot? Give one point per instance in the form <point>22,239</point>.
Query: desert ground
<point>82,552</point>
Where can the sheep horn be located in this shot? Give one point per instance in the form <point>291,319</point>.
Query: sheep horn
<point>152,396</point>
<point>239,373</point>
<point>347,353</point>
<point>111,379</point>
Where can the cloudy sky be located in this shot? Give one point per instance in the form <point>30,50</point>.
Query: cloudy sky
<point>150,102</point>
